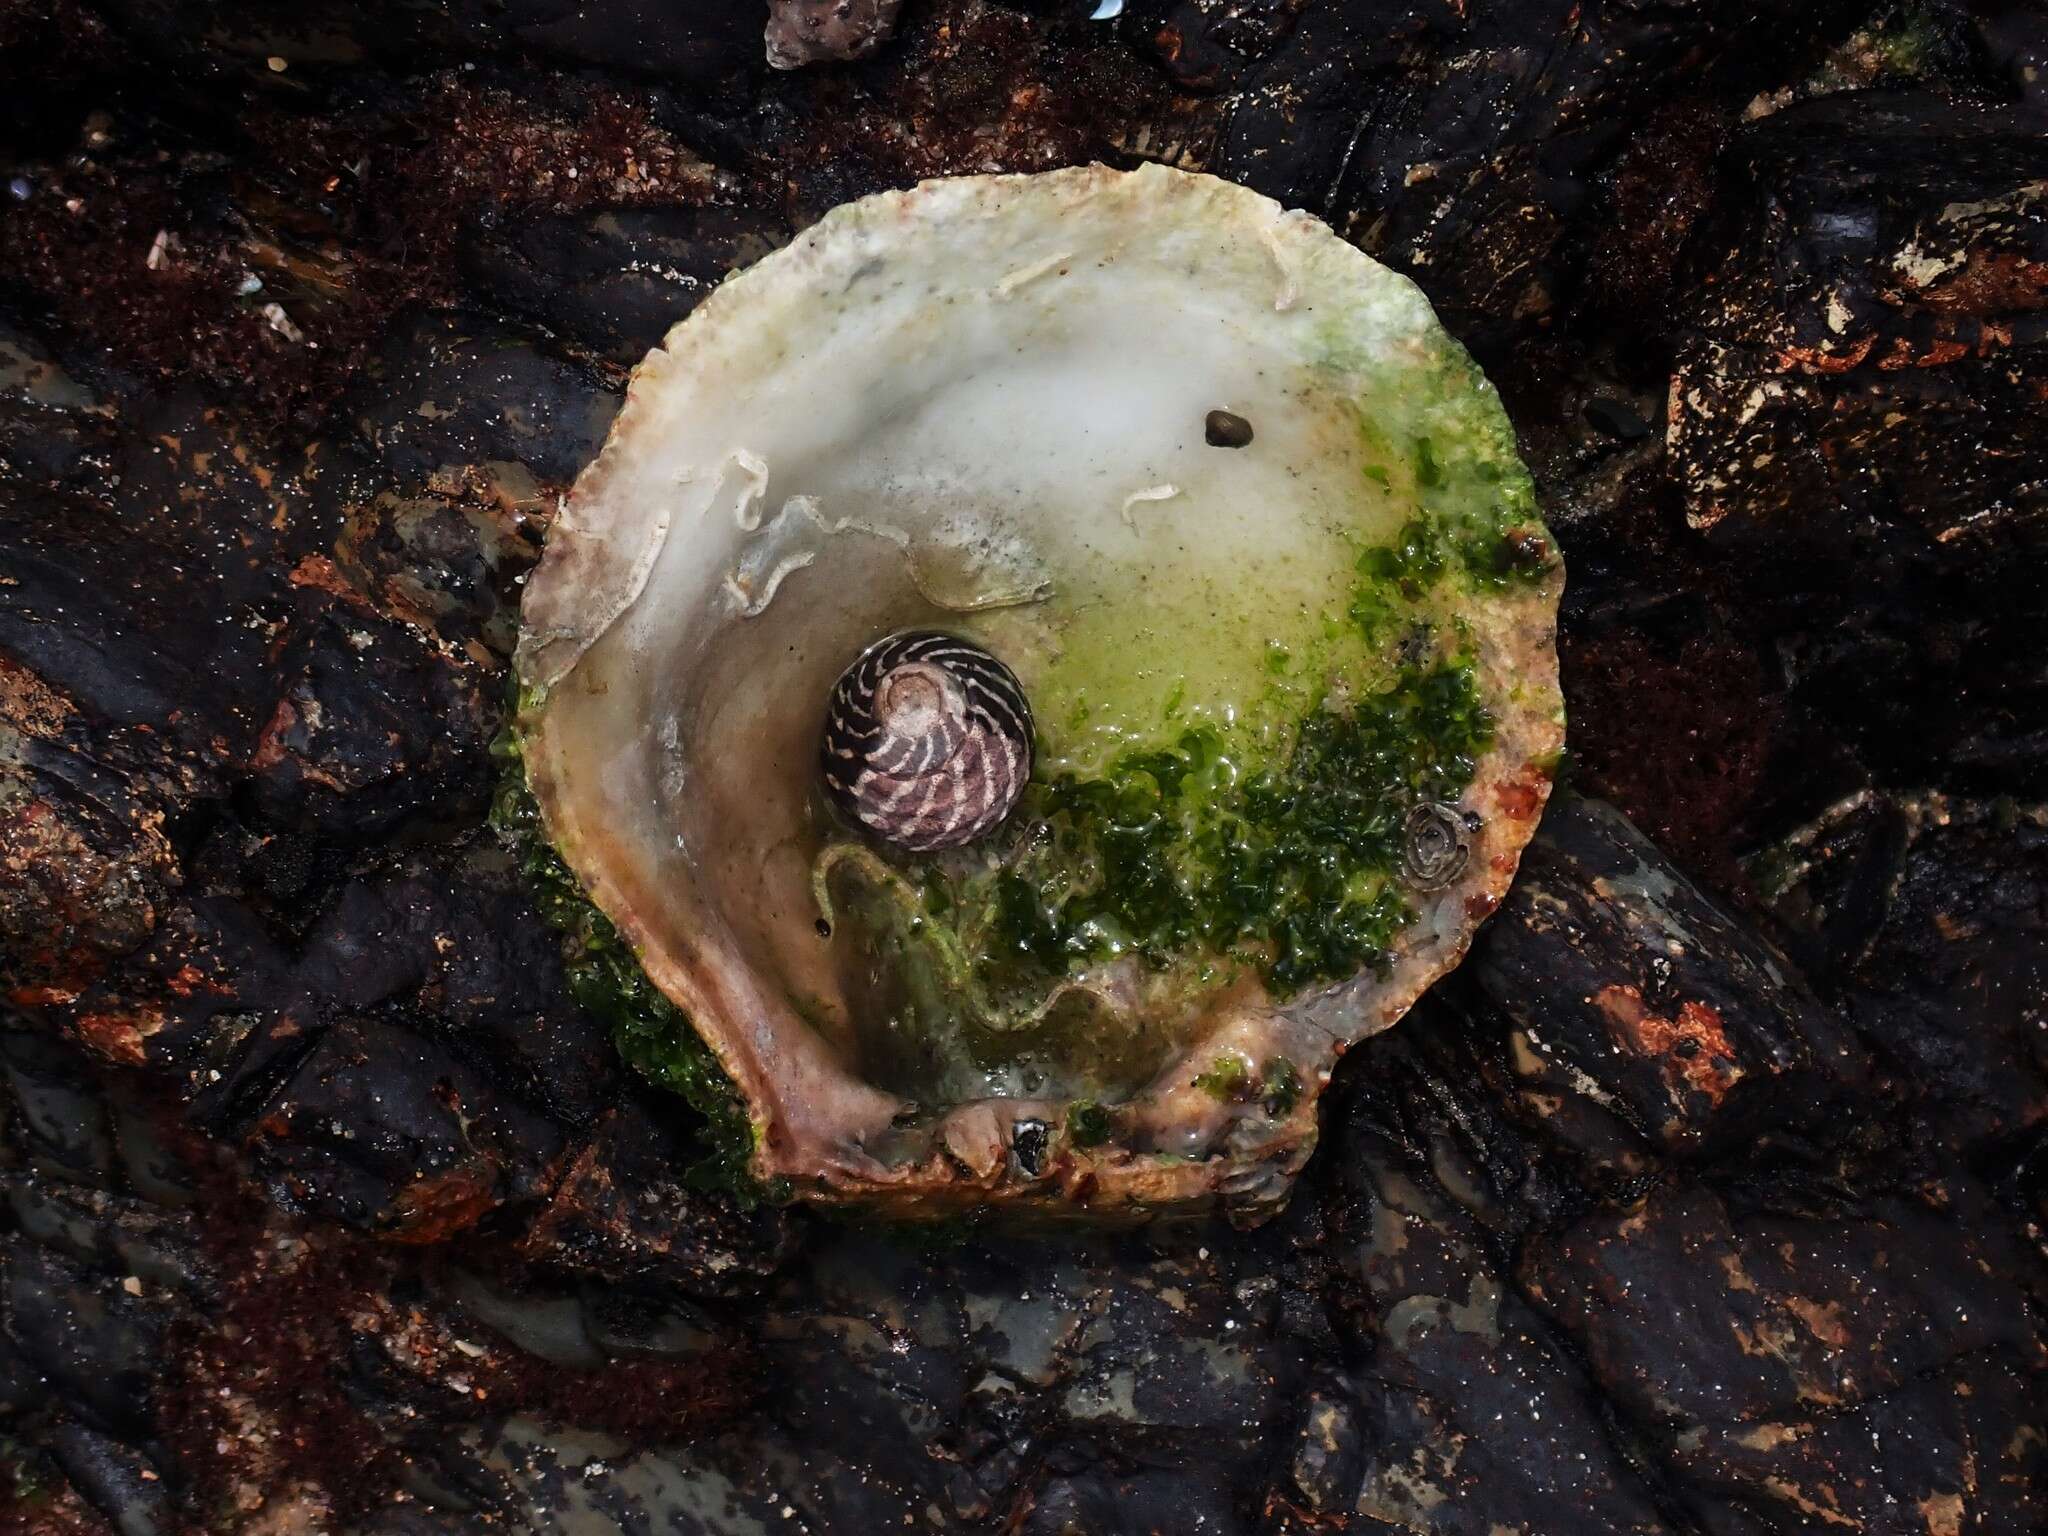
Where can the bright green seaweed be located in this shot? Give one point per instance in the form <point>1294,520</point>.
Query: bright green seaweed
<point>1290,868</point>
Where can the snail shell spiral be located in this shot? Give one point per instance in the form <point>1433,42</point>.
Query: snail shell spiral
<point>927,741</point>
<point>1436,841</point>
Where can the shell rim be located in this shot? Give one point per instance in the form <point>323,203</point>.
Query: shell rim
<point>1251,1176</point>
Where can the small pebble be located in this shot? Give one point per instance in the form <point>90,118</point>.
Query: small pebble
<point>1226,429</point>
<point>277,65</point>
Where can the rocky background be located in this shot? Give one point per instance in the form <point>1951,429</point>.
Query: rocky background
<point>1706,1200</point>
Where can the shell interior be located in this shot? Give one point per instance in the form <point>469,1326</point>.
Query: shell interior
<point>1259,667</point>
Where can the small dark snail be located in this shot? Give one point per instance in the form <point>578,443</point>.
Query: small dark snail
<point>1226,429</point>
<point>1435,843</point>
<point>927,741</point>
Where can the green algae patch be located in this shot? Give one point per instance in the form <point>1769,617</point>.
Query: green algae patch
<point>1088,1124</point>
<point>1227,1078</point>
<point>1290,869</point>
<point>652,1034</point>
<point>1276,1085</point>
<point>1281,1085</point>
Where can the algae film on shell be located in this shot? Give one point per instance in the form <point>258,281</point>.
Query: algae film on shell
<point>1240,522</point>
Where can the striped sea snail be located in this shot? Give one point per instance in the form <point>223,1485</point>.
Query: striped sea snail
<point>927,741</point>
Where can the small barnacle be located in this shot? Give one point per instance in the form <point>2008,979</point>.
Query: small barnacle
<point>1435,845</point>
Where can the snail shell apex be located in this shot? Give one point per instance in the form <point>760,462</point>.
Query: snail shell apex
<point>927,741</point>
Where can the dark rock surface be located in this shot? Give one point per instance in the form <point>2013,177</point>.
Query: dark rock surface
<point>1706,1200</point>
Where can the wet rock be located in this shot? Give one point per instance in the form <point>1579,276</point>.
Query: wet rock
<point>1212,44</point>
<point>1450,1355</point>
<point>220,1002</point>
<point>81,877</point>
<point>109,740</point>
<point>1626,985</point>
<point>1165,1358</point>
<point>1931,686</point>
<point>804,32</point>
<point>1783,1312</point>
<point>1682,721</point>
<point>153,1250</point>
<point>547,1325</point>
<point>620,1210</point>
<point>1288,133</point>
<point>969,85</point>
<point>95,1344</point>
<point>374,724</point>
<point>1464,143</point>
<point>1764,1344</point>
<point>47,417</point>
<point>713,39</point>
<point>883,1351</point>
<point>1885,289</point>
<point>481,961</point>
<point>1936,46</point>
<point>375,1129</point>
<point>731,1486</point>
<point>1925,914</point>
<point>1616,419</point>
<point>1946,1461</point>
<point>448,558</point>
<point>59,1124</point>
<point>631,1322</point>
<point>2015,43</point>
<point>356,1112</point>
<point>1327,1465</point>
<point>445,392</point>
<point>1146,1501</point>
<point>116,1480</point>
<point>412,1522</point>
<point>616,280</point>
<point>1660,192</point>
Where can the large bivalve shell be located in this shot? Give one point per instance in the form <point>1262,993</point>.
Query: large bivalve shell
<point>1248,529</point>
